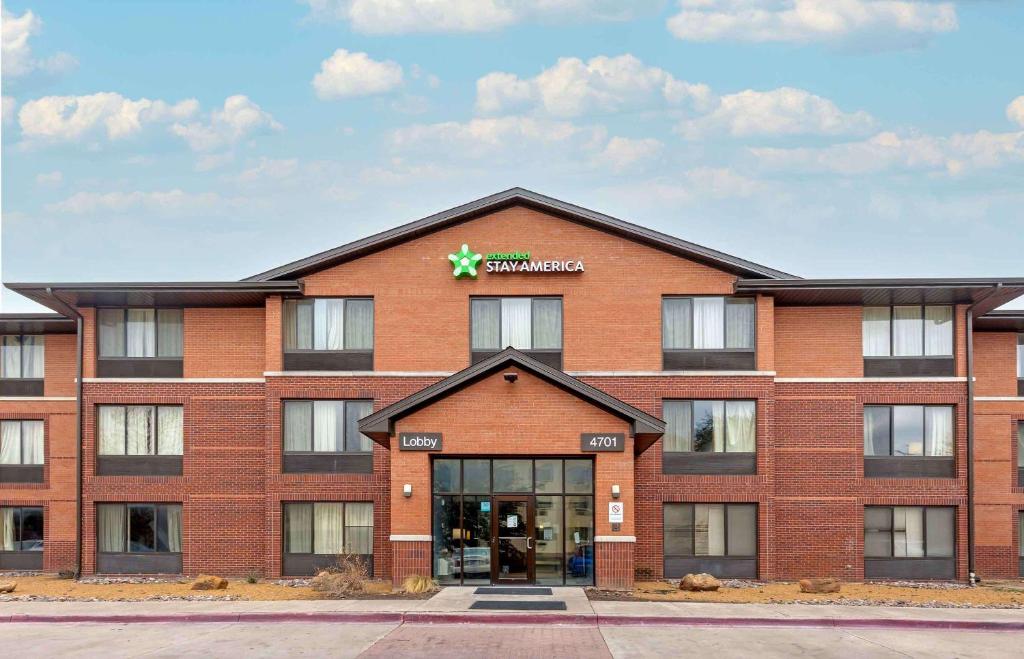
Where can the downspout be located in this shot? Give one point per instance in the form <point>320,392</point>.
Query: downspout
<point>71,312</point>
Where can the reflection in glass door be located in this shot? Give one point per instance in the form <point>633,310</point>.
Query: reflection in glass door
<point>513,559</point>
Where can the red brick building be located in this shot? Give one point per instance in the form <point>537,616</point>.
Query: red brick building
<point>517,390</point>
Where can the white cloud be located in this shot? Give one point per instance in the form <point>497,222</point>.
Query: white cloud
<point>210,161</point>
<point>53,178</point>
<point>17,51</point>
<point>346,74</point>
<point>783,111</point>
<point>238,119</point>
<point>890,151</point>
<point>882,22</point>
<point>167,201</point>
<point>622,154</point>
<point>404,16</point>
<point>603,84</point>
<point>73,117</point>
<point>9,105</point>
<point>1015,111</point>
<point>269,168</point>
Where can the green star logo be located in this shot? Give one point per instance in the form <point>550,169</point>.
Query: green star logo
<point>465,262</point>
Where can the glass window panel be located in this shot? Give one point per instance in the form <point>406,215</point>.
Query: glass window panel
<point>1020,447</point>
<point>677,323</point>
<point>173,528</point>
<point>907,332</point>
<point>170,326</point>
<point>938,331</point>
<point>678,529</point>
<point>111,527</point>
<point>304,324</point>
<point>328,528</point>
<point>141,426</point>
<point>329,324</point>
<point>141,528</point>
<point>579,539</point>
<point>447,533</point>
<point>579,476</point>
<point>32,442</point>
<point>516,323</point>
<point>328,426</point>
<point>112,332</point>
<point>288,324</point>
<point>547,324</point>
<point>678,425</point>
<point>10,442</point>
<point>298,425</point>
<point>476,476</point>
<point>359,324</point>
<point>359,528</point>
<point>875,330</point>
<point>486,324</point>
<point>32,357</point>
<point>908,531</point>
<point>171,430</point>
<point>940,525</point>
<point>742,535</point>
<point>111,422</point>
<point>31,538</point>
<point>908,430</point>
<point>446,475</point>
<point>878,532</point>
<point>708,426</point>
<point>709,529</point>
<point>740,426</point>
<point>549,542</point>
<point>355,440</point>
<point>877,430</point>
<point>10,359</point>
<point>513,475</point>
<point>1020,356</point>
<point>548,475</point>
<point>475,563</point>
<point>298,528</point>
<point>938,431</point>
<point>141,333</point>
<point>708,323</point>
<point>739,323</point>
<point>8,529</point>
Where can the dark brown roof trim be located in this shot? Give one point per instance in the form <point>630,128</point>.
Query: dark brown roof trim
<point>380,425</point>
<point>36,323</point>
<point>512,197</point>
<point>1003,320</point>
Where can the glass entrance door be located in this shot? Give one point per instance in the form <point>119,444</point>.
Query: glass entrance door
<point>512,559</point>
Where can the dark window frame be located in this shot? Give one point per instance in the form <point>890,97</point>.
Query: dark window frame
<point>725,328</point>
<point>693,422</point>
<point>924,427</point>
<point>725,537</point>
<point>156,430</point>
<point>892,328</point>
<point>127,505</point>
<point>156,333</point>
<point>312,530</point>
<point>924,532</point>
<point>22,423</point>
<point>312,300</point>
<point>312,426</point>
<point>21,358</point>
<point>20,531</point>
<point>533,327</point>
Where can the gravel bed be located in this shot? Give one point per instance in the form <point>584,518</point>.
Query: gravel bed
<point>900,603</point>
<point>150,598</point>
<point>291,583</point>
<point>106,581</point>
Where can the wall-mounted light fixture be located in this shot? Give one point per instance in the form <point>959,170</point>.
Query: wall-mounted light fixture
<point>615,491</point>
<point>407,490</point>
<point>511,377</point>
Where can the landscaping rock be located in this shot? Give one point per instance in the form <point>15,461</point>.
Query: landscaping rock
<point>206,582</point>
<point>827,585</point>
<point>8,587</point>
<point>700,582</point>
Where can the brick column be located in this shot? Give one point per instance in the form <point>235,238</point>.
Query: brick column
<point>614,562</point>
<point>411,555</point>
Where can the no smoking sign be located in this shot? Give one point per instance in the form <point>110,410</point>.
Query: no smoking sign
<point>615,512</point>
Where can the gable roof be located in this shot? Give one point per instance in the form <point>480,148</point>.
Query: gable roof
<point>520,197</point>
<point>379,426</point>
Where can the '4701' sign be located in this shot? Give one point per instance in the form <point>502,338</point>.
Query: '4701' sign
<point>593,442</point>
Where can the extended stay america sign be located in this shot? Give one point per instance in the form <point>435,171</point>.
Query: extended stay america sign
<point>467,263</point>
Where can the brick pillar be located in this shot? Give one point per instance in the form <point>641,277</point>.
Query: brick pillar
<point>411,555</point>
<point>614,562</point>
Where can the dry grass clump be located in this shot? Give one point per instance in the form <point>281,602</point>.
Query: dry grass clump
<point>415,584</point>
<point>348,576</point>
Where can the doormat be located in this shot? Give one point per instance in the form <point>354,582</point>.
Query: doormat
<point>510,590</point>
<point>518,605</point>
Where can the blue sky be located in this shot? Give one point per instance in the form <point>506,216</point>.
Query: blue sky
<point>213,140</point>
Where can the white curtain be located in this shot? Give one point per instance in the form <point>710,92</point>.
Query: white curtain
<point>359,528</point>
<point>111,523</point>
<point>547,324</point>
<point>907,332</point>
<point>708,323</point>
<point>709,529</point>
<point>516,323</point>
<point>355,440</point>
<point>141,336</point>
<point>6,529</point>
<point>10,442</point>
<point>299,523</point>
<point>938,331</point>
<point>677,323</point>
<point>170,326</point>
<point>875,330</point>
<point>111,430</point>
<point>171,430</point>
<point>141,430</point>
<point>739,323</point>
<point>10,362</point>
<point>486,325</point>
<point>111,332</point>
<point>678,416</point>
<point>298,426</point>
<point>328,525</point>
<point>32,357</point>
<point>358,325</point>
<point>938,431</point>
<point>329,324</point>
<point>908,531</point>
<point>174,529</point>
<point>328,416</point>
<point>32,442</point>
<point>741,426</point>
<point>1020,356</point>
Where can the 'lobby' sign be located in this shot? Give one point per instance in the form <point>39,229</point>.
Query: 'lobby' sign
<point>591,442</point>
<point>419,441</point>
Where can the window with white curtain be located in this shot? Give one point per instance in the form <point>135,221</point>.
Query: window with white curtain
<point>908,331</point>
<point>707,323</point>
<point>21,528</point>
<point>21,357</point>
<point>710,426</point>
<point>328,324</point>
<point>143,528</point>
<point>909,430</point>
<point>523,323</point>
<point>710,529</point>
<point>328,528</point>
<point>141,333</point>
<point>326,426</point>
<point>1020,356</point>
<point>21,442</point>
<point>140,429</point>
<point>909,531</point>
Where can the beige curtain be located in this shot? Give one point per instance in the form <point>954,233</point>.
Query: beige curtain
<point>32,442</point>
<point>328,420</point>
<point>10,360</point>
<point>938,331</point>
<point>678,416</point>
<point>708,323</point>
<point>516,323</point>
<point>328,525</point>
<point>141,334</point>
<point>298,425</point>
<point>10,442</point>
<point>709,529</point>
<point>32,357</point>
<point>111,527</point>
<point>170,334</point>
<point>141,430</point>
<point>938,431</point>
<point>111,430</point>
<point>359,528</point>
<point>171,436</point>
<point>358,325</point>
<point>174,529</point>
<point>299,520</point>
<point>875,331</point>
<point>6,529</point>
<point>741,426</point>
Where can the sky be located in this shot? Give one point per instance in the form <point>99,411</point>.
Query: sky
<point>212,140</point>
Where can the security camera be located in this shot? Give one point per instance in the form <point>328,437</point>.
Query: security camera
<point>511,377</point>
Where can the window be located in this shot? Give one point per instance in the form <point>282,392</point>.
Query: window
<point>21,529</point>
<point>1020,356</point>
<point>710,426</point>
<point>141,528</point>
<point>908,331</point>
<point>328,528</point>
<point>140,430</point>
<point>21,442</point>
<point>520,322</point>
<point>711,529</point>
<point>707,323</point>
<point>21,357</point>
<point>1020,454</point>
<point>328,324</point>
<point>141,333</point>
<point>909,531</point>
<point>326,426</point>
<point>908,430</point>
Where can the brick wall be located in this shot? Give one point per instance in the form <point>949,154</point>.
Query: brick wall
<point>999,495</point>
<point>224,343</point>
<point>818,342</point>
<point>995,363</point>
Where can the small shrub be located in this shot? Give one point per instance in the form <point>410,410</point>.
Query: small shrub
<point>252,577</point>
<point>66,574</point>
<point>346,577</point>
<point>416,584</point>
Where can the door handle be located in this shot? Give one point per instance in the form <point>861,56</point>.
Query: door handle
<point>529,542</point>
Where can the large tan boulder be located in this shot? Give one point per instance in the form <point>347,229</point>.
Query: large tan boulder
<point>699,582</point>
<point>8,587</point>
<point>207,582</point>
<point>827,585</point>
